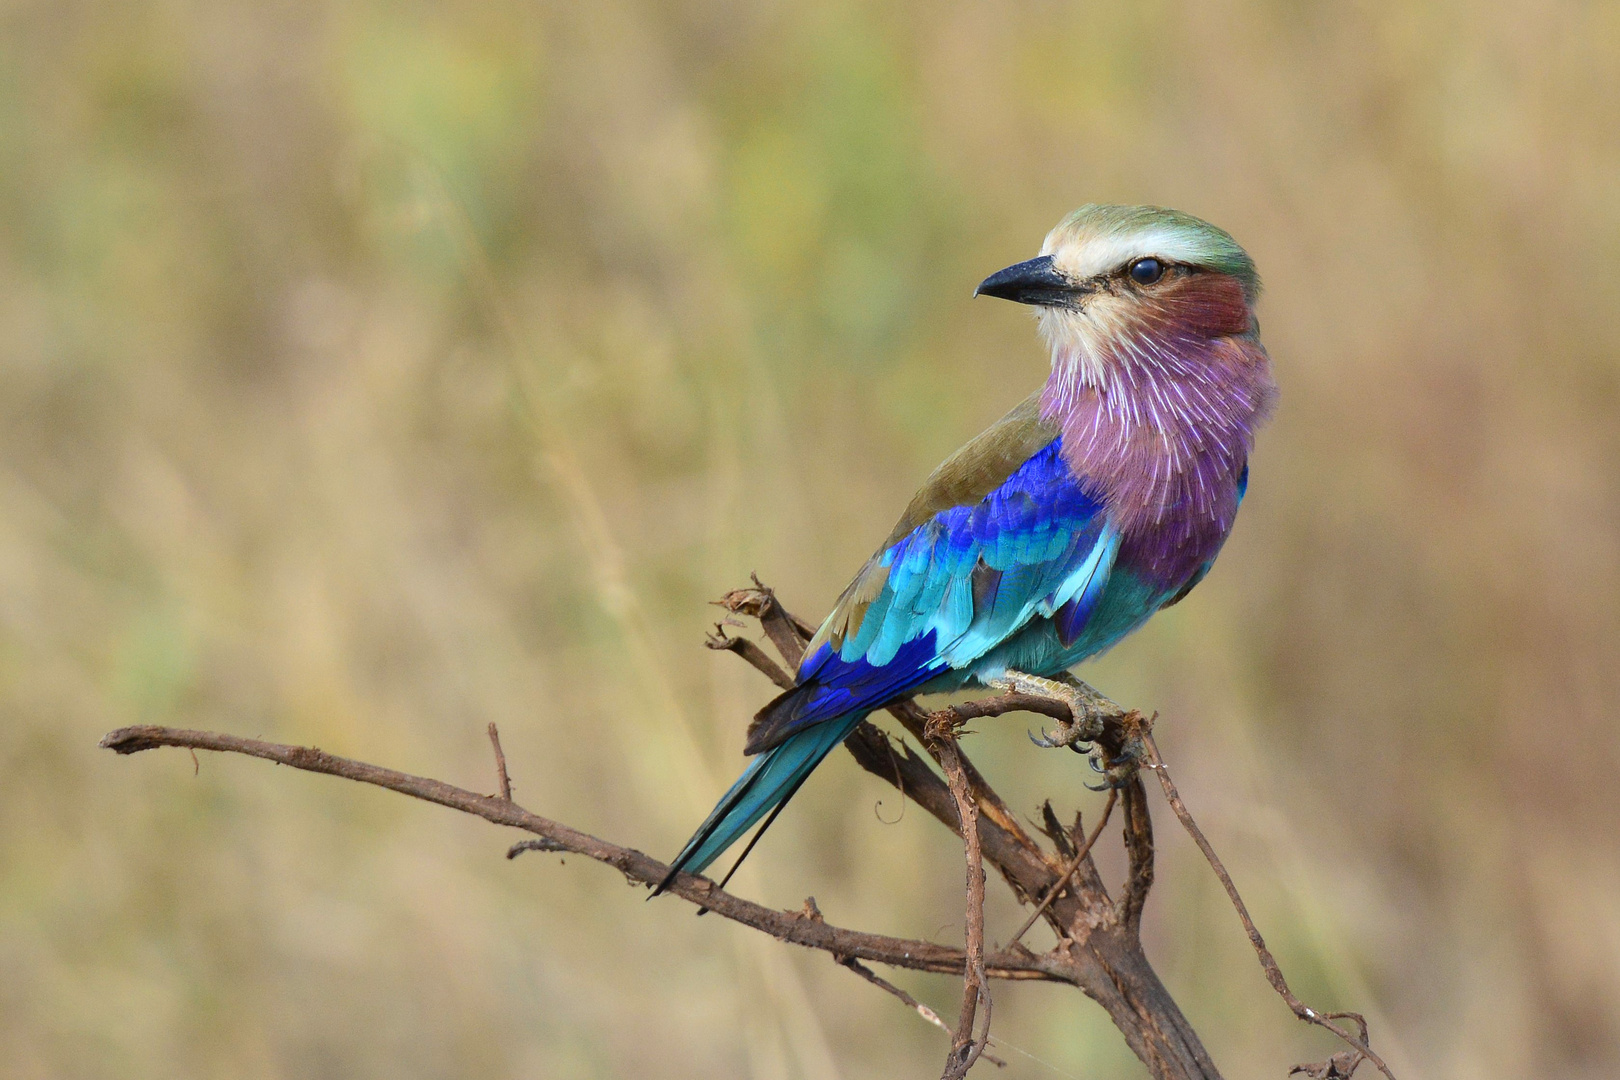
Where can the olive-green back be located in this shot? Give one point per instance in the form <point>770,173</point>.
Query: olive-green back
<point>963,479</point>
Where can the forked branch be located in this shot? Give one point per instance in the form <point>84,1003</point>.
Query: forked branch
<point>1098,948</point>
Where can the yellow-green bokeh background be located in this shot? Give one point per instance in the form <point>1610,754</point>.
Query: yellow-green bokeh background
<point>370,372</point>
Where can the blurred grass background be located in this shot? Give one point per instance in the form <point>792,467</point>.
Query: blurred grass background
<point>370,372</point>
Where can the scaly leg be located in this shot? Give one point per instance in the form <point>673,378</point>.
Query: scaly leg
<point>1086,706</point>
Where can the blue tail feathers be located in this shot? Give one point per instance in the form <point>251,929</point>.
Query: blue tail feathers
<point>770,781</point>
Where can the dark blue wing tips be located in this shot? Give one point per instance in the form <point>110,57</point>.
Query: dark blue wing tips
<point>1070,619</point>
<point>835,687</point>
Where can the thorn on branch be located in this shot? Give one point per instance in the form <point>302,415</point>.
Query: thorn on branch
<point>1054,831</point>
<point>500,764</point>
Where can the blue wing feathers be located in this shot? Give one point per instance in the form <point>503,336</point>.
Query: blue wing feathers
<point>830,687</point>
<point>939,597</point>
<point>957,585</point>
<point>1075,609</point>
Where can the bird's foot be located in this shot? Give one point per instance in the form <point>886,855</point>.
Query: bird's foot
<point>1085,722</point>
<point>1117,772</point>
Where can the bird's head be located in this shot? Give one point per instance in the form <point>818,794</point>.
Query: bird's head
<point>1113,282</point>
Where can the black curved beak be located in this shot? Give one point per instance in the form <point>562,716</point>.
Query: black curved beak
<point>1036,281</point>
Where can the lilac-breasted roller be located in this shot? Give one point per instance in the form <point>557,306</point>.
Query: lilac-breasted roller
<point>1103,497</point>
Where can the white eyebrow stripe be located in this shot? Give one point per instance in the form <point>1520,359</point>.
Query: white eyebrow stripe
<point>1093,255</point>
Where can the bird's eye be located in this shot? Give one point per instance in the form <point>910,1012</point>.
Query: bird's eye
<point>1146,271</point>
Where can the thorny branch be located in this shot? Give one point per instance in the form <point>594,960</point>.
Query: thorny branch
<point>1098,947</point>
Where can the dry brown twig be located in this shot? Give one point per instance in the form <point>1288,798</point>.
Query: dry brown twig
<point>1098,947</point>
<point>889,988</point>
<point>1358,1047</point>
<point>1074,864</point>
<point>501,775</point>
<point>965,1049</point>
<point>555,836</point>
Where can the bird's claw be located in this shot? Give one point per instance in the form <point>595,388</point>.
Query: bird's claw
<point>1076,736</point>
<point>1119,771</point>
<point>1082,729</point>
<point>1046,740</point>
